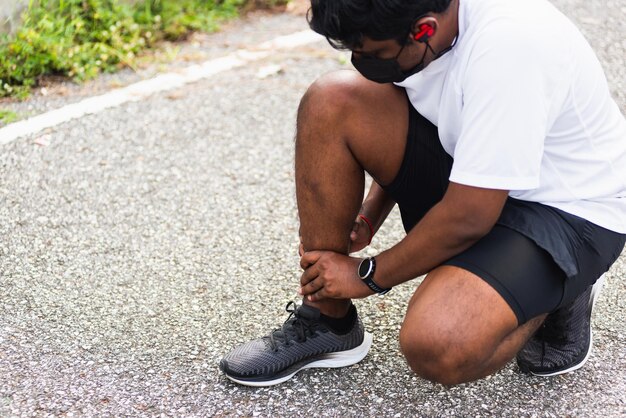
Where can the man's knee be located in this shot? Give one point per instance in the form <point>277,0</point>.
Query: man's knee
<point>342,112</point>
<point>330,95</point>
<point>346,93</point>
<point>453,326</point>
<point>436,354</point>
<point>433,355</point>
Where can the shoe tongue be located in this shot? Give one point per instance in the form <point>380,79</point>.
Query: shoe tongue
<point>308,312</point>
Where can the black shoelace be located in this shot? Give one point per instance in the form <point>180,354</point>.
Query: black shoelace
<point>295,328</point>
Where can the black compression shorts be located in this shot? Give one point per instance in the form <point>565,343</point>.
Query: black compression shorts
<point>537,257</point>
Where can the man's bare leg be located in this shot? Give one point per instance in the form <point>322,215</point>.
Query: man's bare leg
<point>346,125</point>
<point>458,328</point>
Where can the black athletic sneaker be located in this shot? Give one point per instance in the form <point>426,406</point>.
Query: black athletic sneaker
<point>303,342</point>
<point>563,343</point>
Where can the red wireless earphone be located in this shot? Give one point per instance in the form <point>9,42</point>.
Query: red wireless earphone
<point>426,31</point>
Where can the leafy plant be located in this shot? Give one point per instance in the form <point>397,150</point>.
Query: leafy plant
<point>81,38</point>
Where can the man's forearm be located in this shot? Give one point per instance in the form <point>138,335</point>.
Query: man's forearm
<point>435,239</point>
<point>463,217</point>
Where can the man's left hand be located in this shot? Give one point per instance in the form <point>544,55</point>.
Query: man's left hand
<point>330,275</point>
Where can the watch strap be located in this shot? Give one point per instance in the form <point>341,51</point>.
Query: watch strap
<point>372,285</point>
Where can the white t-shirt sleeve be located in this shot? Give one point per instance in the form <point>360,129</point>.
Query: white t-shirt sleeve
<point>504,116</point>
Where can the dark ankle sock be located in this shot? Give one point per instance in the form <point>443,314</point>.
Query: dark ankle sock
<point>340,325</point>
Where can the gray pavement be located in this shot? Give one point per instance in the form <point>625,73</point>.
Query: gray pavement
<point>145,241</point>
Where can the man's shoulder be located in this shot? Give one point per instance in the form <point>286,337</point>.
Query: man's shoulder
<point>516,22</point>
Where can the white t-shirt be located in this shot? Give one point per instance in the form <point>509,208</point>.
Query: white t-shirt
<point>522,104</point>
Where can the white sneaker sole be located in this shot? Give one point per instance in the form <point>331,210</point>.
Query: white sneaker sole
<point>595,292</point>
<point>332,360</point>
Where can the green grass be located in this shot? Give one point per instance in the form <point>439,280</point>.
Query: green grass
<point>82,38</point>
<point>7,116</point>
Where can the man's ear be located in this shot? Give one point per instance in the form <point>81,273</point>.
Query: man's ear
<point>423,29</point>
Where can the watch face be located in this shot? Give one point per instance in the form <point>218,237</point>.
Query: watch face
<point>365,267</point>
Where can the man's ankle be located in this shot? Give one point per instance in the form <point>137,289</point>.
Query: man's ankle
<point>341,325</point>
<point>331,308</point>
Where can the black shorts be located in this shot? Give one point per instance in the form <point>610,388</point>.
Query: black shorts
<point>537,257</point>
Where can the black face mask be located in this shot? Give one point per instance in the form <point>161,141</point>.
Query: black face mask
<point>388,70</point>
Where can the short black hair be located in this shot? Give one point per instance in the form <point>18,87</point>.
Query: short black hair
<point>346,22</point>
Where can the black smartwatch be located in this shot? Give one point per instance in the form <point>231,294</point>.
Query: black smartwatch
<point>366,273</point>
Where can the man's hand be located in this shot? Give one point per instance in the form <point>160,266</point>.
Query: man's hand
<point>361,235</point>
<point>330,275</point>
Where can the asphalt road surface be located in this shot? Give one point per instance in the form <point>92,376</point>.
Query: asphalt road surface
<point>139,244</point>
